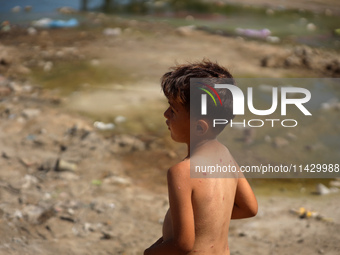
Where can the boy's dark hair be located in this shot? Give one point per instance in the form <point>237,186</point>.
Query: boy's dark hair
<point>176,86</point>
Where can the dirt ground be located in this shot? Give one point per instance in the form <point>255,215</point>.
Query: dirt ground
<point>67,188</point>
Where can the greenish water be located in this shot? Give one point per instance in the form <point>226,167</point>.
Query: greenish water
<point>69,77</point>
<point>321,133</point>
<point>291,26</point>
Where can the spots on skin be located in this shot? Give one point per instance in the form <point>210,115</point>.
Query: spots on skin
<point>179,187</point>
<point>200,181</point>
<point>220,160</point>
<point>223,198</point>
<point>212,246</point>
<point>204,173</point>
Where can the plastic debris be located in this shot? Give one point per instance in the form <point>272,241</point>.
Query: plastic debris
<point>31,31</point>
<point>323,190</point>
<point>332,104</point>
<point>5,26</point>
<point>262,33</point>
<point>334,184</point>
<point>273,39</point>
<point>67,10</point>
<point>311,27</point>
<point>112,31</point>
<point>120,119</point>
<point>185,30</point>
<point>16,9</point>
<point>63,165</point>
<point>50,23</point>
<point>303,213</point>
<point>103,126</point>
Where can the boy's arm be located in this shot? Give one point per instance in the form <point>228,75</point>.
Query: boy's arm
<point>245,204</point>
<point>180,191</point>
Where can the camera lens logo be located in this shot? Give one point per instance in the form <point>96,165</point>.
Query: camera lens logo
<point>204,98</point>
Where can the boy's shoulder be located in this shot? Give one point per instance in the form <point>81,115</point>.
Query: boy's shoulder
<point>180,170</point>
<point>182,167</point>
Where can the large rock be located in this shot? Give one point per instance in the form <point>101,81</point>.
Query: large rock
<point>37,214</point>
<point>127,143</point>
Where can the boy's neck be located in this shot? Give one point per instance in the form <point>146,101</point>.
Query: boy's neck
<point>194,146</point>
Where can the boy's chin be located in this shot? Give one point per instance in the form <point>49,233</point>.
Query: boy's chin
<point>177,139</point>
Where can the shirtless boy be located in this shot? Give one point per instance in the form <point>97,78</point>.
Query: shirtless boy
<point>198,219</point>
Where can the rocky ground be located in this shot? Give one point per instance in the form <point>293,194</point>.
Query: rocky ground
<point>67,187</point>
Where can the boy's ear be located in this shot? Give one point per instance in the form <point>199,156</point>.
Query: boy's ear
<point>201,127</point>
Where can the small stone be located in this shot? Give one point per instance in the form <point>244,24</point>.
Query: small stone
<point>267,139</point>
<point>30,113</point>
<point>16,9</point>
<point>69,176</point>
<point>334,184</point>
<point>95,62</point>
<point>31,31</point>
<point>189,18</point>
<point>280,142</point>
<point>322,189</point>
<point>37,214</point>
<point>48,66</point>
<point>112,31</point>
<point>328,12</point>
<point>248,135</point>
<point>120,119</point>
<point>5,58</point>
<point>311,27</point>
<point>67,10</point>
<point>63,165</point>
<point>29,180</point>
<point>103,126</point>
<point>291,136</point>
<point>89,227</point>
<point>5,91</point>
<point>106,235</point>
<point>48,164</point>
<point>98,207</point>
<point>171,154</point>
<point>114,180</point>
<point>270,12</point>
<point>273,39</point>
<point>186,30</point>
<point>28,8</point>
<point>242,234</point>
<point>292,61</point>
<point>5,155</point>
<point>21,69</point>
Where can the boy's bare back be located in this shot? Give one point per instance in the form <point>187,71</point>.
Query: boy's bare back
<point>210,204</point>
<point>198,219</point>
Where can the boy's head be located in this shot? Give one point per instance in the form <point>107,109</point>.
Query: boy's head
<point>177,88</point>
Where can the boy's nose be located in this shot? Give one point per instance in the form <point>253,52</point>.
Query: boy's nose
<point>166,113</point>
